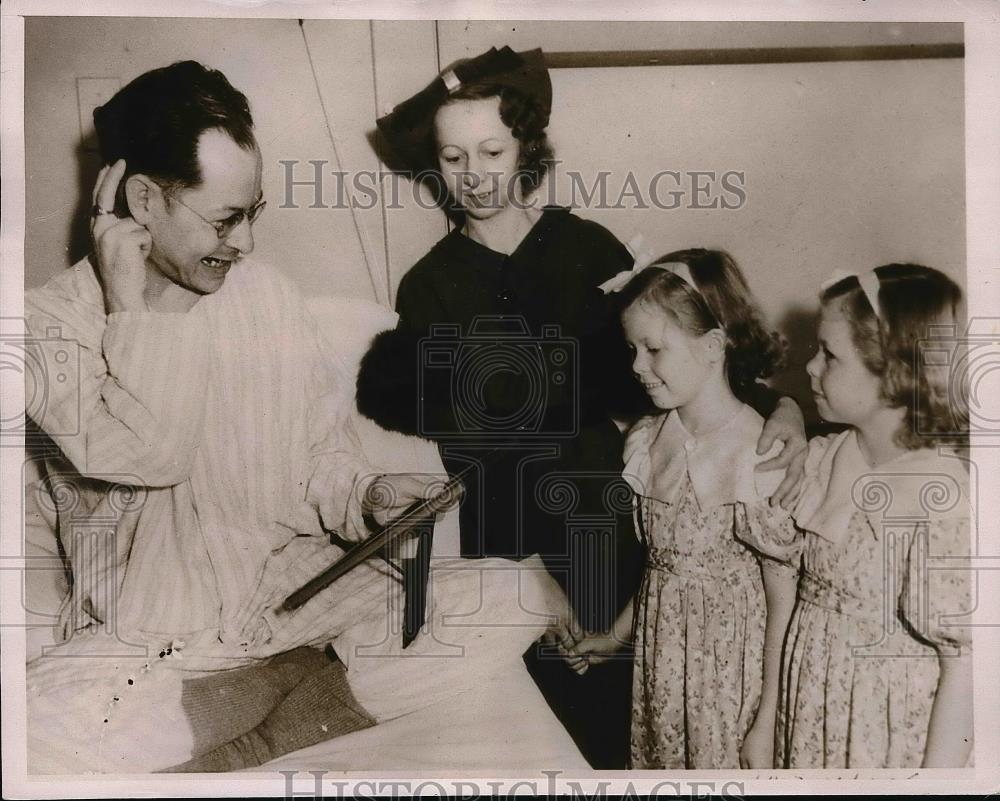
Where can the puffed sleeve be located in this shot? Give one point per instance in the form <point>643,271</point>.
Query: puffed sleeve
<point>816,479</point>
<point>769,531</point>
<point>936,591</point>
<point>636,471</point>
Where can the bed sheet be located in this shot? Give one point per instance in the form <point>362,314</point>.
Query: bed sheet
<point>503,726</point>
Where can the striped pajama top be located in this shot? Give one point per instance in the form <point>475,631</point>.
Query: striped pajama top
<point>192,449</point>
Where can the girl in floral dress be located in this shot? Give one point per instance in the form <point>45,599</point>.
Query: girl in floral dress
<point>877,669</point>
<point>705,618</point>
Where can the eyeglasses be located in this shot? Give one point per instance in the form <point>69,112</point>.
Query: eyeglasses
<point>223,228</point>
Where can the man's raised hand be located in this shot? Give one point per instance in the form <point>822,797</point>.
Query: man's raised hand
<point>121,246</point>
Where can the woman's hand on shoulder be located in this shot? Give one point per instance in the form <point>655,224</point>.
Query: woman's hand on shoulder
<point>787,426</point>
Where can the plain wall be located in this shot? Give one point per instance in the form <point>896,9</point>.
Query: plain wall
<point>845,164</point>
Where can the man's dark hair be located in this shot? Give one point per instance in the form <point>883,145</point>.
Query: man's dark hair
<point>154,123</point>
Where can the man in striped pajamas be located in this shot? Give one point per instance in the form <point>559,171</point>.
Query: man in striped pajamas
<point>201,449</point>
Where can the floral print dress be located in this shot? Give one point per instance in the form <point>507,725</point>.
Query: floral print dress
<point>700,612</point>
<point>883,591</point>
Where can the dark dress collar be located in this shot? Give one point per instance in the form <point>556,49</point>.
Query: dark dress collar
<point>477,253</point>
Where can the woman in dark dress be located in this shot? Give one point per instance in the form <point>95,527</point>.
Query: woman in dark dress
<point>509,356</point>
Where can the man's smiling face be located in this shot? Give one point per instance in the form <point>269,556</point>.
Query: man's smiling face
<point>186,246</point>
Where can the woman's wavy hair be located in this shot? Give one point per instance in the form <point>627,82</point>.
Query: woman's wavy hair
<point>722,300</point>
<point>913,300</point>
<point>526,121</point>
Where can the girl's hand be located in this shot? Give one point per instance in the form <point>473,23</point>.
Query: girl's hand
<point>787,426</point>
<point>563,635</point>
<point>121,246</point>
<point>592,650</point>
<point>758,748</point>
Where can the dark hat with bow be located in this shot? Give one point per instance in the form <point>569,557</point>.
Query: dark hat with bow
<point>409,128</point>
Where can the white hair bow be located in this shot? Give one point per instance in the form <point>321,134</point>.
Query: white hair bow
<point>869,285</point>
<point>643,257</point>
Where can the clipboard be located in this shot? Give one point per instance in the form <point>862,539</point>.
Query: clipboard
<point>419,515</point>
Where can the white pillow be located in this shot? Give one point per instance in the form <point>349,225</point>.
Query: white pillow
<point>347,327</point>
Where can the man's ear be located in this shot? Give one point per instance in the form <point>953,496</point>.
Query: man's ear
<point>142,196</point>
